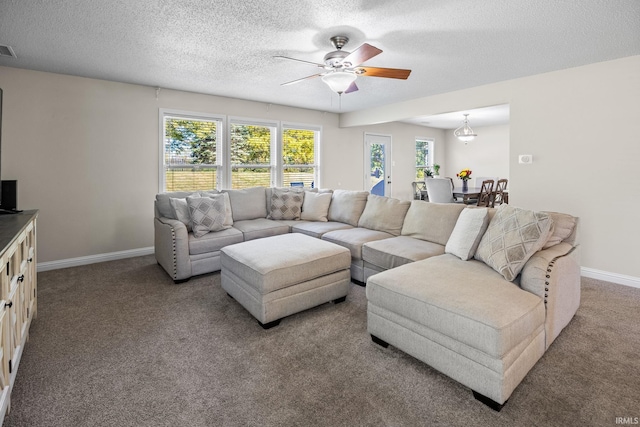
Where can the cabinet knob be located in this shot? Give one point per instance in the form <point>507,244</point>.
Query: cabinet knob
<point>21,278</point>
<point>30,260</point>
<point>8,304</point>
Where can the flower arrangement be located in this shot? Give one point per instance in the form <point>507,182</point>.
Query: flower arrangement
<point>464,175</point>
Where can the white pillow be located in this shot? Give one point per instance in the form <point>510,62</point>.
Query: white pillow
<point>207,214</point>
<point>315,206</point>
<point>181,211</point>
<point>467,233</point>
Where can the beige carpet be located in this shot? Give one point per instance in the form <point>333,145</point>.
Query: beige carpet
<point>118,344</point>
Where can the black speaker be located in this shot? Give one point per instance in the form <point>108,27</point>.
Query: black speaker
<point>9,194</point>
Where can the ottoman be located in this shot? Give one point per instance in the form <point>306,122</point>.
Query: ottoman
<point>277,276</point>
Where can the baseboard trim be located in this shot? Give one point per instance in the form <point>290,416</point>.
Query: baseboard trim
<point>92,259</point>
<point>607,276</point>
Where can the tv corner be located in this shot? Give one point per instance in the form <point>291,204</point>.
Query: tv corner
<point>9,196</point>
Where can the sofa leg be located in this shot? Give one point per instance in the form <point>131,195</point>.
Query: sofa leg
<point>339,300</point>
<point>177,282</point>
<point>359,283</point>
<point>490,403</point>
<point>380,342</point>
<point>229,295</point>
<point>270,324</point>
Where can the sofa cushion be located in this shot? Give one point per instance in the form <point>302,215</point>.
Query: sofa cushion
<point>563,226</point>
<point>163,202</point>
<point>317,229</point>
<point>248,203</point>
<point>214,241</point>
<point>397,251</point>
<point>285,204</point>
<point>315,206</point>
<point>260,227</point>
<point>384,214</point>
<point>347,206</point>
<point>433,222</point>
<point>354,238</point>
<point>463,300</point>
<point>466,235</point>
<point>207,214</point>
<point>513,236</point>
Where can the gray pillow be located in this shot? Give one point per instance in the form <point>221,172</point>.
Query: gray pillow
<point>513,236</point>
<point>384,214</point>
<point>466,235</point>
<point>315,206</point>
<point>347,206</point>
<point>207,214</point>
<point>228,217</point>
<point>563,226</point>
<point>285,204</point>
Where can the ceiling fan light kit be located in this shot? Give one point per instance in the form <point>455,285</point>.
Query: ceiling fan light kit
<point>464,132</point>
<point>339,81</point>
<point>342,68</point>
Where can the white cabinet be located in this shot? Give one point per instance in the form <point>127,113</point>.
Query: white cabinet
<point>18,295</point>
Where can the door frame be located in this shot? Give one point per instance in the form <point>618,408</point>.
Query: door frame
<point>388,141</point>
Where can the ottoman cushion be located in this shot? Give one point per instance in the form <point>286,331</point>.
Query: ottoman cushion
<point>281,261</point>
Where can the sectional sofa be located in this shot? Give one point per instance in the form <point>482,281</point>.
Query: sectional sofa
<point>476,293</point>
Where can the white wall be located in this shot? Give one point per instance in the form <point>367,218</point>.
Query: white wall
<point>86,153</point>
<point>580,126</point>
<point>487,155</point>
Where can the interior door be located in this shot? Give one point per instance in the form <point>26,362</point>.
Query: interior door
<point>377,164</point>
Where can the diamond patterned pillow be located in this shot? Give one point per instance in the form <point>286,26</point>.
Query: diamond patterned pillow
<point>513,236</point>
<point>207,214</point>
<point>285,204</point>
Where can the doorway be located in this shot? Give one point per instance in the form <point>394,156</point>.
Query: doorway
<point>377,164</point>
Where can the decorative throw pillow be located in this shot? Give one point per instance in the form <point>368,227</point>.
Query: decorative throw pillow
<point>466,235</point>
<point>513,236</point>
<point>384,214</point>
<point>347,206</point>
<point>285,204</point>
<point>207,214</point>
<point>315,206</point>
<point>228,218</point>
<point>181,211</point>
<point>563,226</point>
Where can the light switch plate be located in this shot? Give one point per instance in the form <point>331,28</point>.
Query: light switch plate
<point>525,159</point>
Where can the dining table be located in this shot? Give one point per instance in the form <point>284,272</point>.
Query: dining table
<point>471,193</point>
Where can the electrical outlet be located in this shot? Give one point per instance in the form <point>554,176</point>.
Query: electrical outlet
<point>525,159</point>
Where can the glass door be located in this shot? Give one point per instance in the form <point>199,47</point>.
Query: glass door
<point>377,164</point>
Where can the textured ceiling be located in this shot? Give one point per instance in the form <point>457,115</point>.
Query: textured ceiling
<point>226,48</point>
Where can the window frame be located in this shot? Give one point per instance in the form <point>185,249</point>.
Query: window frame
<point>191,115</point>
<point>223,164</point>
<point>430,162</point>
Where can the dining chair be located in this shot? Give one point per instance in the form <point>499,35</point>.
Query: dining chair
<point>418,188</point>
<point>486,192</point>
<point>500,196</point>
<point>439,190</point>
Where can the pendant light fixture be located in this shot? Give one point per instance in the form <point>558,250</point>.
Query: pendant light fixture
<point>464,132</point>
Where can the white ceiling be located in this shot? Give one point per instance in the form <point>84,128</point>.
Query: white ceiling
<point>226,48</point>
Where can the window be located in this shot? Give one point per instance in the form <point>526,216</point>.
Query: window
<point>299,153</point>
<point>251,155</point>
<point>202,152</point>
<point>191,152</point>
<point>424,157</point>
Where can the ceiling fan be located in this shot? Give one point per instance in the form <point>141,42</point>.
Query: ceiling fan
<point>342,68</point>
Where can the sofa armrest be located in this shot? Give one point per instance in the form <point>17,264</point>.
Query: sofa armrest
<point>171,244</point>
<point>554,275</point>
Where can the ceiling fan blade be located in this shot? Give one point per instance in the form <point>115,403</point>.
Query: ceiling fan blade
<point>361,54</point>
<point>299,80</point>
<point>300,60</point>
<point>352,88</point>
<point>392,73</point>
